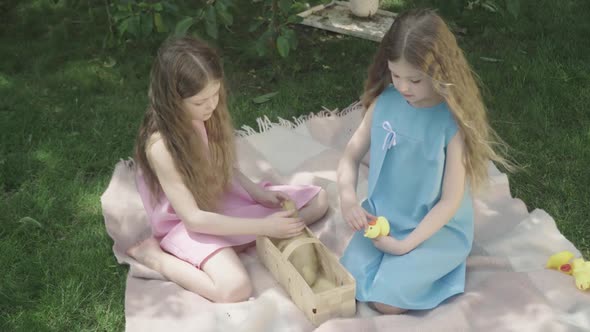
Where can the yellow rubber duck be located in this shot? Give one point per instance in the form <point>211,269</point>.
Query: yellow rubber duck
<point>581,272</point>
<point>578,268</point>
<point>377,227</point>
<point>556,261</point>
<point>290,205</point>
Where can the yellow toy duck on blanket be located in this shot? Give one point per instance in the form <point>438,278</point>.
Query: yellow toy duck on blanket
<point>377,227</point>
<point>579,268</point>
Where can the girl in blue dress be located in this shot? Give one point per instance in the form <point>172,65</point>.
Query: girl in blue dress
<point>430,142</point>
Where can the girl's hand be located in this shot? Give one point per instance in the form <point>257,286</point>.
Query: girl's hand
<point>390,245</point>
<point>280,225</point>
<point>269,198</point>
<point>355,215</point>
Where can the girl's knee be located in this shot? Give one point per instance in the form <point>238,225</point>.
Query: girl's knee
<point>319,205</point>
<point>322,199</point>
<point>237,290</point>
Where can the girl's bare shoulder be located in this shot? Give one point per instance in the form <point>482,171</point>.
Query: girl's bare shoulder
<point>157,152</point>
<point>155,137</point>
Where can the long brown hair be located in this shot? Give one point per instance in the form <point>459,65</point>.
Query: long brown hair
<point>182,68</point>
<point>424,40</point>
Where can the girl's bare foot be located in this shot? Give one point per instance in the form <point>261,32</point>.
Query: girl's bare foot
<point>147,252</point>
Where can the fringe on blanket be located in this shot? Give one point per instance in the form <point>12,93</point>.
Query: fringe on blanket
<point>265,124</point>
<point>129,163</point>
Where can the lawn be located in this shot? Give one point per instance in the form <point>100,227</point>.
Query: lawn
<point>70,109</point>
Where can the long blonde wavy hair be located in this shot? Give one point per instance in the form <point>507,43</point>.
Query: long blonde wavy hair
<point>182,68</point>
<point>424,40</point>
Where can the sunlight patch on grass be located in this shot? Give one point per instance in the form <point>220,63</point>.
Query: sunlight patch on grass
<point>67,302</point>
<point>87,206</point>
<point>392,5</point>
<point>5,82</point>
<point>47,158</point>
<point>89,75</point>
<point>107,314</point>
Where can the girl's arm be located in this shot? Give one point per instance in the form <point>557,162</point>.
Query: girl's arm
<point>197,220</point>
<point>442,212</point>
<point>267,198</point>
<point>354,152</point>
<point>348,168</point>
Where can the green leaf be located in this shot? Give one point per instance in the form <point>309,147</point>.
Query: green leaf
<point>295,19</point>
<point>133,25</point>
<point>224,15</point>
<point>158,7</point>
<point>254,26</point>
<point>263,42</point>
<point>299,6</point>
<point>183,25</point>
<point>219,6</point>
<point>264,98</point>
<point>147,25</point>
<point>170,6</point>
<point>119,16</point>
<point>211,23</point>
<point>285,6</point>
<point>227,3</point>
<point>291,37</point>
<point>283,46</point>
<point>123,26</point>
<point>513,7</point>
<point>261,47</point>
<point>160,26</point>
<point>199,14</point>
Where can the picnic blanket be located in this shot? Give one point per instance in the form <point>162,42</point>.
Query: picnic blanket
<point>507,286</point>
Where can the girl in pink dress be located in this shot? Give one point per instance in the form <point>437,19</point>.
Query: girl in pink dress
<point>202,209</point>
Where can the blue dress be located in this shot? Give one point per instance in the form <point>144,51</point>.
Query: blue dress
<point>408,152</point>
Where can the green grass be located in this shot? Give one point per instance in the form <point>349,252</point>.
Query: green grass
<point>66,118</point>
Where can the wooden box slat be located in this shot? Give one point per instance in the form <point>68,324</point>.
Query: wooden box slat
<point>335,301</point>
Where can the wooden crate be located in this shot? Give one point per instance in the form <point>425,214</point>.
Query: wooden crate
<point>319,305</point>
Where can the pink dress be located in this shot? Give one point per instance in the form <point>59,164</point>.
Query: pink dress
<point>196,248</point>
